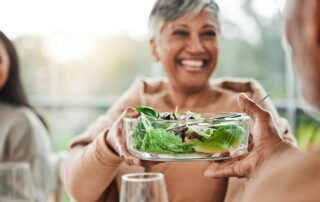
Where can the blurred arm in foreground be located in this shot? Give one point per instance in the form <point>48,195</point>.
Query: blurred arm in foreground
<point>277,172</point>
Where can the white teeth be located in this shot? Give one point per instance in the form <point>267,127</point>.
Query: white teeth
<point>192,63</point>
<point>192,68</point>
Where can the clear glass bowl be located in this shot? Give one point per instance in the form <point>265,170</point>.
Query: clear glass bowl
<point>217,136</point>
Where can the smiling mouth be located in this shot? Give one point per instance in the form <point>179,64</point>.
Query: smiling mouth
<point>193,65</point>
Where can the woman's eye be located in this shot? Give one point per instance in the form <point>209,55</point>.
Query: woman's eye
<point>209,33</point>
<point>180,33</point>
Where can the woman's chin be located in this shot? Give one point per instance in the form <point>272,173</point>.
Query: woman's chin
<point>191,86</point>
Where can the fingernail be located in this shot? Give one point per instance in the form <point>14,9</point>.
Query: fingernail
<point>136,161</point>
<point>241,98</point>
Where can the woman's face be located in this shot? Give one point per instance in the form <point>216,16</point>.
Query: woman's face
<point>188,50</point>
<point>4,65</point>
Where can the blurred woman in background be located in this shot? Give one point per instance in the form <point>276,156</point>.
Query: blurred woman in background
<point>23,133</point>
<point>184,38</point>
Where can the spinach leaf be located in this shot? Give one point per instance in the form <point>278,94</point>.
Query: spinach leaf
<point>158,140</point>
<point>224,138</point>
<point>228,136</point>
<point>138,135</point>
<point>149,111</point>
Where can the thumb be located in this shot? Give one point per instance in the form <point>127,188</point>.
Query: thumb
<point>249,106</point>
<point>131,112</point>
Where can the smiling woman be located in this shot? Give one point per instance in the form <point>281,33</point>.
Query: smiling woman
<point>4,66</point>
<point>184,39</point>
<point>23,133</point>
<point>188,49</point>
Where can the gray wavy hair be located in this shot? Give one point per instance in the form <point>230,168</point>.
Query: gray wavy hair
<point>167,10</point>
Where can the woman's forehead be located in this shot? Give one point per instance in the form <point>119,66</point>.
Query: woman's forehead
<point>204,18</point>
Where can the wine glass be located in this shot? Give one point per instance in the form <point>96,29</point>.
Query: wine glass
<point>143,187</point>
<point>16,183</point>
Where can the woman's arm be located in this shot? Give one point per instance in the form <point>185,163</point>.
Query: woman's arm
<point>19,141</point>
<point>93,164</point>
<point>90,168</point>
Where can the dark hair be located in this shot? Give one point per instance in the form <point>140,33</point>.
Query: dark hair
<point>12,92</point>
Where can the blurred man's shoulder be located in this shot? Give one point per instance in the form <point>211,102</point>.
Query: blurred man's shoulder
<point>296,172</point>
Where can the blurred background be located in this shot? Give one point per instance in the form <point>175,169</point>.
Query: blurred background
<point>79,56</point>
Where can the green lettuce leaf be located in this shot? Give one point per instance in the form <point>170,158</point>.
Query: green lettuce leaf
<point>158,140</point>
<point>223,139</point>
<point>149,111</point>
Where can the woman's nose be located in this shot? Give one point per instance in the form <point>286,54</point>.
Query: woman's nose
<point>195,45</point>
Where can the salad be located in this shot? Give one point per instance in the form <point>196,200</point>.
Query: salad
<point>186,133</point>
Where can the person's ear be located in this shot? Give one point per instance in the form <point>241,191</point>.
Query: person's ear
<point>154,52</point>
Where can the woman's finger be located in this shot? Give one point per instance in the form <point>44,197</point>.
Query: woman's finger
<point>130,112</point>
<point>219,170</point>
<point>123,151</point>
<point>131,160</point>
<point>127,157</point>
<point>149,163</point>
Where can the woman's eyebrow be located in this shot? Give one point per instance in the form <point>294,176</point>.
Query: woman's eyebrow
<point>179,25</point>
<point>210,25</point>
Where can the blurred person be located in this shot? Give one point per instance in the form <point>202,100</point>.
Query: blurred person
<point>184,38</point>
<point>23,133</point>
<point>277,172</point>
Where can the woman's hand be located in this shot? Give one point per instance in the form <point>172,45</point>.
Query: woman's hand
<point>116,137</point>
<point>265,137</point>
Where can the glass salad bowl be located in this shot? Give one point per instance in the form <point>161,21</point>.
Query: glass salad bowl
<point>189,137</point>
